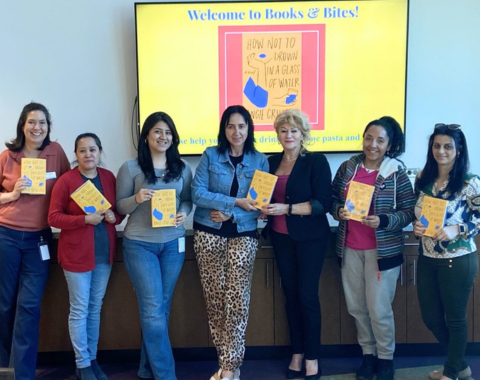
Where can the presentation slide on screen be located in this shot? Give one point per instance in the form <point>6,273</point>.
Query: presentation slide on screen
<point>343,63</point>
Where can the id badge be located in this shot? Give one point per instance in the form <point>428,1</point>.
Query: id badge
<point>181,245</point>
<point>43,249</point>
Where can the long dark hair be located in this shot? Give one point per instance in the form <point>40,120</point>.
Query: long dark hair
<point>175,165</point>
<point>460,168</point>
<point>394,133</point>
<point>17,144</point>
<point>223,143</point>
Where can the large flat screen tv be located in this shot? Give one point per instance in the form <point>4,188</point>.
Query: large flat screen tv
<point>343,63</point>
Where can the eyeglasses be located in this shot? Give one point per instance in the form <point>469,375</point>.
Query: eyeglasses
<point>449,126</point>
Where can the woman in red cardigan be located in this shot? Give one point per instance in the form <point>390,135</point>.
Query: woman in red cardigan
<point>86,249</point>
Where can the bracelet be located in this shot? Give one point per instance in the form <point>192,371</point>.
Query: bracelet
<point>290,207</point>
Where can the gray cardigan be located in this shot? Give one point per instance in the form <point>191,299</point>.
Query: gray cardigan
<point>130,180</point>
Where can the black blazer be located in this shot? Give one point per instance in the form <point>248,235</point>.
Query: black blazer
<point>310,180</point>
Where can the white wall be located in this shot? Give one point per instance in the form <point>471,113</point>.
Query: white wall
<point>78,58</point>
<point>443,81</point>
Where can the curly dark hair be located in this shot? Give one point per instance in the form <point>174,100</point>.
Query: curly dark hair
<point>396,139</point>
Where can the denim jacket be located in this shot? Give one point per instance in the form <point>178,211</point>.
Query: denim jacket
<point>212,183</point>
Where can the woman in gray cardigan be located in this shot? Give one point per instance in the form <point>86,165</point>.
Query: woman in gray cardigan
<point>154,256</point>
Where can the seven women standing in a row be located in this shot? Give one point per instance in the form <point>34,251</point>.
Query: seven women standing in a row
<point>226,240</point>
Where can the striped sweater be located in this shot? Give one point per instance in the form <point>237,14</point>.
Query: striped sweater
<point>393,202</point>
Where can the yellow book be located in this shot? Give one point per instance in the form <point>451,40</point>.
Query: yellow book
<point>433,215</point>
<point>261,188</point>
<point>164,208</point>
<point>35,171</point>
<point>89,199</point>
<point>359,198</point>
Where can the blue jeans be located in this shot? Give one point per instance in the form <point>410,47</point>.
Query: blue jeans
<point>86,291</point>
<point>23,276</point>
<point>154,269</point>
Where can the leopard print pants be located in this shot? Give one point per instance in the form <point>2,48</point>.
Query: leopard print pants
<point>226,268</point>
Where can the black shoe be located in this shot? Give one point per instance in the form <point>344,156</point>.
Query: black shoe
<point>314,377</point>
<point>85,373</point>
<point>385,369</point>
<point>97,371</point>
<point>292,374</point>
<point>368,368</point>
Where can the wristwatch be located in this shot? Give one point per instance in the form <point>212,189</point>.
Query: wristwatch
<point>462,228</point>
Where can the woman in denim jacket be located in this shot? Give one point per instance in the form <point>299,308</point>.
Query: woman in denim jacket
<point>225,238</point>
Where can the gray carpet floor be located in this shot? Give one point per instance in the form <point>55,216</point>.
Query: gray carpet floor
<point>412,368</point>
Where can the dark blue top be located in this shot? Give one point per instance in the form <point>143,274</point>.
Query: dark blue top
<point>102,244</point>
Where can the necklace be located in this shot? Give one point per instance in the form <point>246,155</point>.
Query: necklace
<point>289,160</point>
<point>369,170</point>
<point>162,173</point>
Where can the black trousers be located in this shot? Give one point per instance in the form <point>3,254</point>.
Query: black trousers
<point>444,286</point>
<point>300,265</point>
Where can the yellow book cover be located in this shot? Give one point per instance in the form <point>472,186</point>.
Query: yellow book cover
<point>35,171</point>
<point>358,201</point>
<point>261,188</point>
<point>89,199</point>
<point>433,214</point>
<point>164,208</point>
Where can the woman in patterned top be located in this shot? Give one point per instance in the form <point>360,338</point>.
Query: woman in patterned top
<point>448,261</point>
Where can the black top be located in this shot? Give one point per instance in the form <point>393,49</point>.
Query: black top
<point>310,180</point>
<point>102,244</point>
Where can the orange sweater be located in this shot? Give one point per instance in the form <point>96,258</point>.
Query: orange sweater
<point>29,212</point>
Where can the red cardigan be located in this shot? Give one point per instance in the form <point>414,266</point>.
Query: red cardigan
<point>76,246</point>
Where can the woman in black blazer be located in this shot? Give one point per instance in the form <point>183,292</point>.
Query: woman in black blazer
<point>299,230</point>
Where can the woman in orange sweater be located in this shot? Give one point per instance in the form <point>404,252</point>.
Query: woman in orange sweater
<point>25,236</point>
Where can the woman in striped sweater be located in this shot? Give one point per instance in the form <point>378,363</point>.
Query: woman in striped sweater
<point>371,251</point>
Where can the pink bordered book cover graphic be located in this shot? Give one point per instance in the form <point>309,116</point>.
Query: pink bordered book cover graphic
<point>271,68</point>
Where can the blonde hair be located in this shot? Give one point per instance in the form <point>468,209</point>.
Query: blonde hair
<point>295,118</point>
